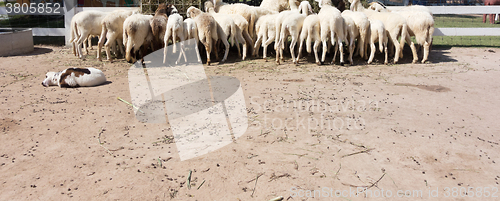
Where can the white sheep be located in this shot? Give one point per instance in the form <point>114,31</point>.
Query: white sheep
<point>292,26</point>
<point>276,5</point>
<point>332,28</point>
<point>84,24</point>
<point>311,31</point>
<point>377,33</point>
<point>227,23</point>
<point>136,34</point>
<point>174,30</point>
<point>395,25</point>
<point>420,24</point>
<point>190,32</point>
<point>363,26</point>
<point>277,25</point>
<point>112,30</point>
<point>266,33</point>
<point>352,33</point>
<point>248,12</point>
<point>378,6</point>
<point>207,28</point>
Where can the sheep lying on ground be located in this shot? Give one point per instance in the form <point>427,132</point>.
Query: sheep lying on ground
<point>112,30</point>
<point>136,34</point>
<point>75,77</point>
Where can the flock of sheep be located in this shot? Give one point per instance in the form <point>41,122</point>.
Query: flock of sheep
<point>256,26</point>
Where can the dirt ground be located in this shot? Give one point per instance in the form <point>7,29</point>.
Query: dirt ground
<point>395,132</point>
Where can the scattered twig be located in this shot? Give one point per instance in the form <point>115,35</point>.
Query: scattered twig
<point>336,174</point>
<point>135,107</point>
<point>255,186</point>
<point>200,185</point>
<point>100,143</point>
<point>279,198</point>
<point>189,179</point>
<point>274,177</point>
<point>359,152</point>
<point>377,181</point>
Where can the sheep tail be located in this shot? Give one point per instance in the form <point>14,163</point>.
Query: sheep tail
<point>233,35</point>
<point>363,36</point>
<point>404,34</point>
<point>381,36</point>
<point>128,47</point>
<point>251,25</point>
<point>309,40</point>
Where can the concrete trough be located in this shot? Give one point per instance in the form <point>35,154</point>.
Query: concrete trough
<point>15,41</point>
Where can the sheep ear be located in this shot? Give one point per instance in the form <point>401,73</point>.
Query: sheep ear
<point>310,8</point>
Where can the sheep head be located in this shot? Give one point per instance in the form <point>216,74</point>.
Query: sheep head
<point>305,8</point>
<point>192,12</point>
<point>209,5</point>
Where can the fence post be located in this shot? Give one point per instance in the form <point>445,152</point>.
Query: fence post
<point>68,15</point>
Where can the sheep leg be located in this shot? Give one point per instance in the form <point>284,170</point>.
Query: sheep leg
<point>373,50</point>
<point>85,46</point>
<point>110,43</point>
<point>426,51</point>
<point>90,42</point>
<point>226,44</point>
<point>249,41</point>
<point>292,48</point>
<point>101,43</point>
<point>316,47</point>
<point>240,39</point>
<point>80,41</point>
<point>120,45</point>
<point>325,49</point>
<point>334,53</point>
<point>395,42</point>
<point>182,50</point>
<point>351,50</point>
<point>386,61</point>
<point>267,43</point>
<point>300,49</point>
<point>413,49</point>
<point>258,42</point>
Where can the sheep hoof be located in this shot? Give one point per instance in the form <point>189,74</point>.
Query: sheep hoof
<point>318,63</point>
<point>414,61</point>
<point>341,63</point>
<point>322,63</point>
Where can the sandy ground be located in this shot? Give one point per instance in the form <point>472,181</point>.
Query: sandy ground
<point>403,132</point>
